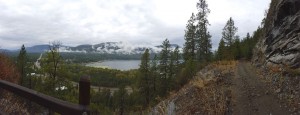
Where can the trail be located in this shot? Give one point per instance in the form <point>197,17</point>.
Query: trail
<point>250,96</point>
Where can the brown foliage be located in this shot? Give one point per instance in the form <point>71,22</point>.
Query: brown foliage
<point>9,102</point>
<point>8,70</point>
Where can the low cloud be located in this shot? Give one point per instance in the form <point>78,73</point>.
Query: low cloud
<point>75,22</point>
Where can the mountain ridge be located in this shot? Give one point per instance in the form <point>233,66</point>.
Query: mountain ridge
<point>102,48</point>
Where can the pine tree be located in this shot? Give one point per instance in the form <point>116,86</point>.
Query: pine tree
<point>164,67</point>
<point>237,48</point>
<point>145,77</point>
<point>250,45</point>
<point>154,74</point>
<point>22,60</point>
<point>203,37</point>
<point>174,67</point>
<point>187,72</point>
<point>190,41</point>
<point>176,57</point>
<point>204,48</point>
<point>171,73</point>
<point>221,50</point>
<point>229,32</point>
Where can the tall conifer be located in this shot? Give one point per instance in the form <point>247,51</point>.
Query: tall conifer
<point>203,38</point>
<point>190,41</point>
<point>22,60</point>
<point>145,76</point>
<point>229,32</point>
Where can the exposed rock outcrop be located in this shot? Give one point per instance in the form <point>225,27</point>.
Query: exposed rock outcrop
<point>280,43</point>
<point>278,52</point>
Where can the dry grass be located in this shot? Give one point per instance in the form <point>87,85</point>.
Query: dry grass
<point>214,95</point>
<point>205,94</point>
<point>198,83</point>
<point>163,109</point>
<point>214,101</point>
<point>225,65</point>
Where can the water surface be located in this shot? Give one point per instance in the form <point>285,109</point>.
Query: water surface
<point>116,64</point>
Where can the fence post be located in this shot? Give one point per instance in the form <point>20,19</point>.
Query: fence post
<point>84,92</point>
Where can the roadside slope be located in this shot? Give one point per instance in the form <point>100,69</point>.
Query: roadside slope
<point>207,94</point>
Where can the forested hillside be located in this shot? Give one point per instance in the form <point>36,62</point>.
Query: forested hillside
<point>255,73</point>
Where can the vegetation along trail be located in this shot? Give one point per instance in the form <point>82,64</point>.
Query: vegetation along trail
<point>251,96</point>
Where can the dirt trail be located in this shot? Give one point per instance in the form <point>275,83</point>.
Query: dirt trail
<point>250,96</point>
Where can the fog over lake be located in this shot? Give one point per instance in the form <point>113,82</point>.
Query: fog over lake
<point>116,64</point>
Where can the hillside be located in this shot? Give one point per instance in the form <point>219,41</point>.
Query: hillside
<point>248,74</point>
<point>207,93</point>
<point>268,85</point>
<point>223,88</point>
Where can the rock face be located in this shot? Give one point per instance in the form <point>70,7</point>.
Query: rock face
<point>280,43</point>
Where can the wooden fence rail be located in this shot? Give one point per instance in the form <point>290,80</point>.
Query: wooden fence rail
<point>56,105</point>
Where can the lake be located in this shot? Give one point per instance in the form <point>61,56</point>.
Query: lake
<point>116,64</point>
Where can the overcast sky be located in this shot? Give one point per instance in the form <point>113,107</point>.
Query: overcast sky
<point>75,22</point>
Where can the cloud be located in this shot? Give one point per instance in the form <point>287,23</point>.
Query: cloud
<point>247,15</point>
<point>75,22</point>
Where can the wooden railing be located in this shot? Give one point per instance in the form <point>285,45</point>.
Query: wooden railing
<point>55,105</point>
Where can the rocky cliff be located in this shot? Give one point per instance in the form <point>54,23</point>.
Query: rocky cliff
<point>277,53</point>
<point>280,42</point>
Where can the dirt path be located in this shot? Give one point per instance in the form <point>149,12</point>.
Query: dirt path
<point>250,96</point>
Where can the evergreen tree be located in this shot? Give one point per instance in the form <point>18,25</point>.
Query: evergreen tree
<point>236,48</point>
<point>248,44</point>
<point>221,50</point>
<point>187,72</point>
<point>145,77</point>
<point>176,57</point>
<point>203,37</point>
<point>22,60</point>
<point>171,65</point>
<point>174,67</point>
<point>190,41</point>
<point>164,67</point>
<point>246,47</point>
<point>154,74</point>
<point>229,32</point>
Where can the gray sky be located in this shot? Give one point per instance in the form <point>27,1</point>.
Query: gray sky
<point>75,22</point>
